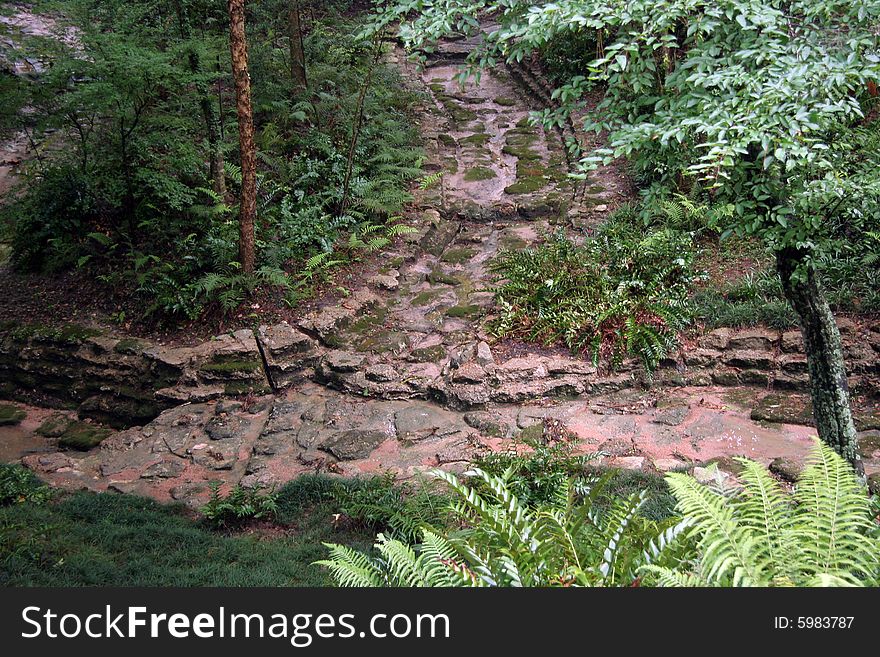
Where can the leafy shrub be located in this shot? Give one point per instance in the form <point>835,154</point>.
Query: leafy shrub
<point>240,505</point>
<point>619,294</point>
<point>821,535</point>
<point>52,222</point>
<point>505,542</point>
<point>19,485</point>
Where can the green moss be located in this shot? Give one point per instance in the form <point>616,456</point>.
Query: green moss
<point>438,277</point>
<point>462,311</point>
<point>447,140</point>
<point>525,186</point>
<point>83,436</point>
<point>69,333</point>
<point>368,321</point>
<point>458,256</point>
<point>54,426</point>
<point>426,297</point>
<point>510,242</point>
<point>437,87</point>
<point>504,101</point>
<point>428,354</point>
<point>11,415</point>
<point>479,173</point>
<point>131,346</point>
<point>532,434</point>
<point>228,367</point>
<point>478,139</point>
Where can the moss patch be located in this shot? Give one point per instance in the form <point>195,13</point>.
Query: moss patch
<point>11,415</point>
<point>458,256</point>
<point>69,333</point>
<point>54,426</point>
<point>438,277</point>
<point>463,310</point>
<point>479,173</point>
<point>504,101</point>
<point>426,297</point>
<point>82,436</point>
<point>231,366</point>
<point>525,186</point>
<point>130,346</point>
<point>478,139</point>
<point>428,354</point>
<point>447,140</point>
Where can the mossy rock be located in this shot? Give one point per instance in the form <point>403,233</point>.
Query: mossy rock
<point>726,463</point>
<point>504,101</point>
<point>54,426</point>
<point>479,173</point>
<point>526,186</point>
<point>784,409</point>
<point>231,366</point>
<point>426,297</point>
<point>532,434</point>
<point>438,277</point>
<point>67,334</point>
<point>477,139</point>
<point>512,242</point>
<point>83,436</point>
<point>130,346</point>
<point>458,256</point>
<point>463,310</point>
<point>368,322</point>
<point>428,354</point>
<point>447,140</point>
<point>11,415</point>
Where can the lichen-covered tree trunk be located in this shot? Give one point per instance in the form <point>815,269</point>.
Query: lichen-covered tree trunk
<point>827,369</point>
<point>297,51</point>
<point>248,210</point>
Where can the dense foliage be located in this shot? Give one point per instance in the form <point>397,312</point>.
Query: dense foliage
<point>822,535</point>
<point>623,292</point>
<point>125,117</point>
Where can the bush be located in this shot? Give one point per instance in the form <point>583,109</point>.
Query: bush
<point>622,293</point>
<point>19,485</point>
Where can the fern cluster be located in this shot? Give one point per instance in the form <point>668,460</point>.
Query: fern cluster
<point>613,296</point>
<point>505,542</point>
<point>824,534</point>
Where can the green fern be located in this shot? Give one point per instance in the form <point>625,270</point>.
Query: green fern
<point>818,536</point>
<point>505,542</point>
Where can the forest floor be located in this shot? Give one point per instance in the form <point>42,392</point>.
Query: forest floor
<point>505,185</point>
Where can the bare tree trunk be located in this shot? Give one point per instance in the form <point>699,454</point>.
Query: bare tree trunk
<point>828,385</point>
<point>247,216</point>
<point>297,51</point>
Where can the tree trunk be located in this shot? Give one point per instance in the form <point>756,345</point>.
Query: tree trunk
<point>297,51</point>
<point>828,386</point>
<point>247,216</point>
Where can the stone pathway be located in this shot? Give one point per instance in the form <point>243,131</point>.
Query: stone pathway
<point>401,376</point>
